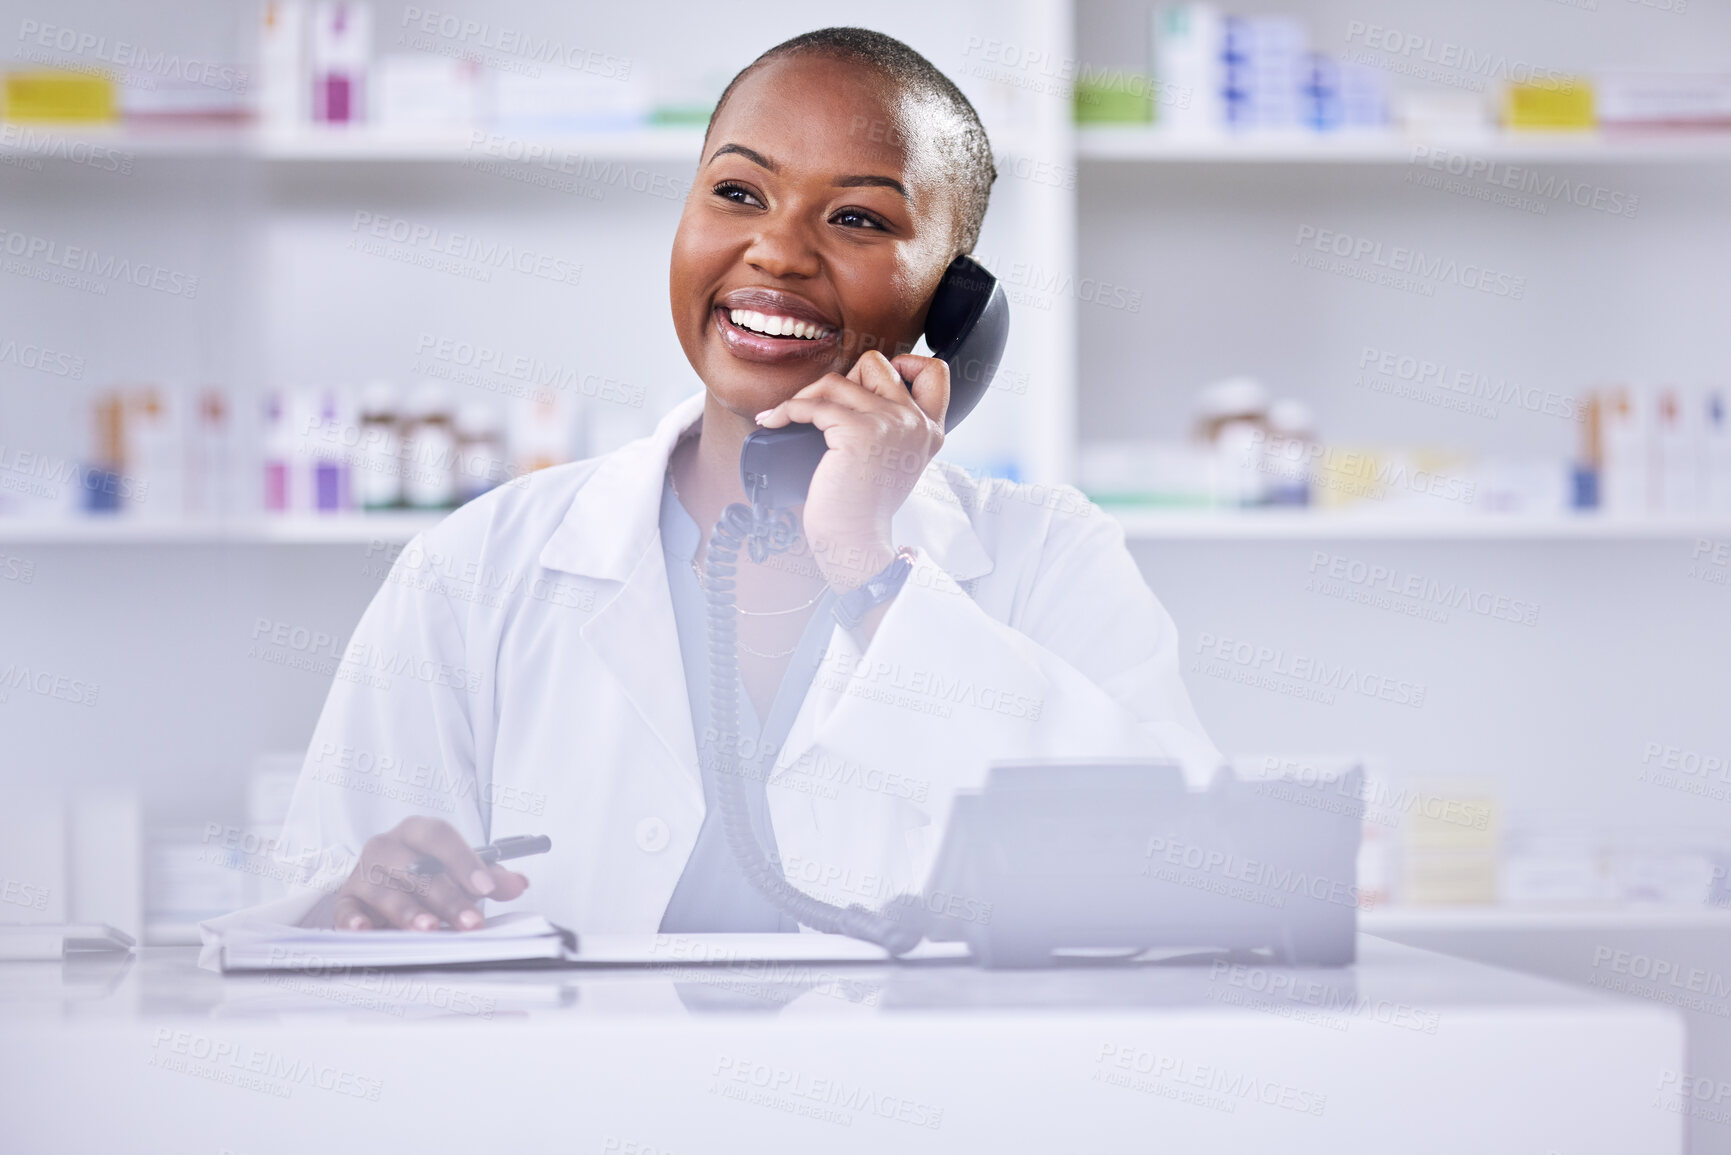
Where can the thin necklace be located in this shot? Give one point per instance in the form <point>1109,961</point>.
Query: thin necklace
<point>760,654</point>
<point>697,572</point>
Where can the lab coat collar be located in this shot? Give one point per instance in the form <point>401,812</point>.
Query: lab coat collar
<point>616,514</point>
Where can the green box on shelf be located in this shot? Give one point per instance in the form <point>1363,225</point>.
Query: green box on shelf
<point>681,114</point>
<point>1115,98</point>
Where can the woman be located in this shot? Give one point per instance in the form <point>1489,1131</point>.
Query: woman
<point>536,663</point>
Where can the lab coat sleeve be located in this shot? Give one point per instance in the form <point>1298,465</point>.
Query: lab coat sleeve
<point>395,739</point>
<point>1087,665</point>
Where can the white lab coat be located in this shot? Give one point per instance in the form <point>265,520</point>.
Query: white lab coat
<point>519,672</point>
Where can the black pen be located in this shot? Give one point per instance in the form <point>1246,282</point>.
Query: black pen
<point>516,846</point>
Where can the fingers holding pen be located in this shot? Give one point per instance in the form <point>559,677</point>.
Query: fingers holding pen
<point>413,878</point>
<point>385,890</point>
<point>446,851</point>
<point>423,874</point>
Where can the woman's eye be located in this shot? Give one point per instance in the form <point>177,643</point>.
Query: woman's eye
<point>864,219</point>
<point>738,194</point>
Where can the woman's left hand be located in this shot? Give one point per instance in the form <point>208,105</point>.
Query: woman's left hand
<point>881,437</point>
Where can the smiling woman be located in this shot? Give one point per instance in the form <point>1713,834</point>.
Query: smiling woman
<point>840,177</point>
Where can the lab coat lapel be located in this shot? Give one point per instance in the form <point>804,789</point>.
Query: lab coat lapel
<point>634,635</point>
<point>612,533</point>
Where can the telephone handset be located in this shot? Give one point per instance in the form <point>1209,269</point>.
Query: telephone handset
<point>966,326</point>
<point>967,323</point>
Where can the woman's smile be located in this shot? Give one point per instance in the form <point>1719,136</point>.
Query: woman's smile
<point>767,325</point>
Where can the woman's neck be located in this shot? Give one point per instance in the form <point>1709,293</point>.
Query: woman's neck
<point>706,473</point>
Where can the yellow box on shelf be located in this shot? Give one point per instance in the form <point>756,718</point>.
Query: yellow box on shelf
<point>1453,831</point>
<point>50,96</point>
<point>1564,104</point>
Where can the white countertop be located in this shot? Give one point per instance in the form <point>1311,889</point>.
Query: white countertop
<point>1407,1050</point>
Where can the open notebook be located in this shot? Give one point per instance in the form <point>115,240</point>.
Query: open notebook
<point>258,945</point>
<point>519,937</point>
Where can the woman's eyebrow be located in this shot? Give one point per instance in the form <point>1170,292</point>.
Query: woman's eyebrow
<point>750,154</point>
<point>877,181</point>
<point>762,161</point>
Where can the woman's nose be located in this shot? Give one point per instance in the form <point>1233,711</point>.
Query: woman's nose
<point>784,248</point>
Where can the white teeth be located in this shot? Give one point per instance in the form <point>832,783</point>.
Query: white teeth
<point>775,326</point>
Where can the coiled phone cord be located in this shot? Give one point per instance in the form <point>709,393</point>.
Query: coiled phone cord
<point>898,928</point>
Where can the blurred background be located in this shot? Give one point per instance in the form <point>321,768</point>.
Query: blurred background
<point>1393,332</point>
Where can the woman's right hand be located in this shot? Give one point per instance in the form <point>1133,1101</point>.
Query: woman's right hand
<point>381,891</point>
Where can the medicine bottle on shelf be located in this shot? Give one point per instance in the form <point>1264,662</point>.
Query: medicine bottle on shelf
<point>1232,422</point>
<point>329,460</point>
<point>278,452</point>
<point>1287,454</point>
<point>480,450</point>
<point>429,450</point>
<point>342,44</point>
<point>379,465</point>
<point>207,456</point>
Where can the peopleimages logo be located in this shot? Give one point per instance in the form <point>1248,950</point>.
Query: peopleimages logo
<point>533,373</point>
<point>831,1099</point>
<point>1274,668</point>
<point>34,474</point>
<point>1265,882</point>
<point>1527,181</point>
<point>1468,385</point>
<point>434,242</point>
<point>1401,261</point>
<point>28,356</point>
<point>473,39</point>
<point>38,144</point>
<point>1375,577</point>
<point>80,259</point>
<point>220,1060</point>
<point>1228,1086</point>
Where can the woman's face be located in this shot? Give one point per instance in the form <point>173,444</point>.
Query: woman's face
<point>819,207</point>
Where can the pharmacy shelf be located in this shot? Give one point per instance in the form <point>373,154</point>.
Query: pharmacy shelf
<point>356,144</point>
<point>1139,525</point>
<point>335,529</point>
<point>672,144</point>
<point>680,144</point>
<point>1400,919</point>
<point>1310,525</point>
<point>1153,146</point>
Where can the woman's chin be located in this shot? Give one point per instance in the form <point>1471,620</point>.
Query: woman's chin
<point>750,394</point>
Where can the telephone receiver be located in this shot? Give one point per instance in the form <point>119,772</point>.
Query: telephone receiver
<point>966,327</point>
<point>967,324</point>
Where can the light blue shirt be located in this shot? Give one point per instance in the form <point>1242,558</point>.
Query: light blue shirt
<point>712,895</point>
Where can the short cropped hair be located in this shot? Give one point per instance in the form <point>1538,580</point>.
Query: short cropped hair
<point>967,150</point>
